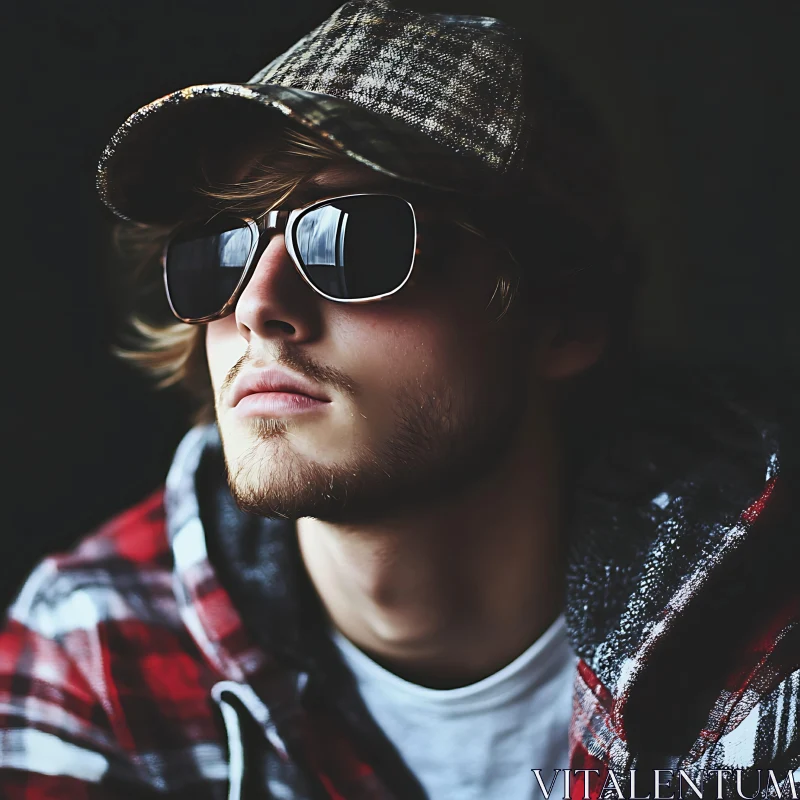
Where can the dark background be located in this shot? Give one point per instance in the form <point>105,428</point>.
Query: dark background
<point>701,97</point>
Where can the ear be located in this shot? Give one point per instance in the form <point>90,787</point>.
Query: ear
<point>570,345</point>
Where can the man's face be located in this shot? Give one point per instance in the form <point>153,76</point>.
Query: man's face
<point>418,394</point>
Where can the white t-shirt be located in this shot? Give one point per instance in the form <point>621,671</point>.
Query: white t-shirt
<point>479,742</point>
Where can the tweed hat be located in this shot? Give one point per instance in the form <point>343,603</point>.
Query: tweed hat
<point>434,99</point>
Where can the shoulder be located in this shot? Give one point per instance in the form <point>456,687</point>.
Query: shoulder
<point>120,571</point>
<point>100,679</point>
<point>137,535</point>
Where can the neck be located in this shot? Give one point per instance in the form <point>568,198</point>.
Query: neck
<point>450,595</point>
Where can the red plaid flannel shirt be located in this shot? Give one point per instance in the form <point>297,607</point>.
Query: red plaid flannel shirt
<point>114,658</point>
<point>111,654</point>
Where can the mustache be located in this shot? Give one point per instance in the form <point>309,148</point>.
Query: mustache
<point>292,358</point>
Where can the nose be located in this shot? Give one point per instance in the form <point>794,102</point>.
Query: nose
<point>277,303</point>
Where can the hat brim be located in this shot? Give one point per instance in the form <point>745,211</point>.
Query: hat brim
<point>153,166</point>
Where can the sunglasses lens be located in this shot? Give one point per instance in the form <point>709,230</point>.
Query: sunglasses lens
<point>356,248</point>
<point>204,264</point>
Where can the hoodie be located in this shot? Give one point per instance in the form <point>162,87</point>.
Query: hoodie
<point>181,651</point>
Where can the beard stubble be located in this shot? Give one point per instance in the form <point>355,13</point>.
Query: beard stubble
<point>442,443</point>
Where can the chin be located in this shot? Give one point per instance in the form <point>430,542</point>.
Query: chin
<point>275,482</point>
<point>270,474</point>
<point>259,447</point>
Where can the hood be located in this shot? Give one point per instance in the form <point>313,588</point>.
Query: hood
<point>682,550</point>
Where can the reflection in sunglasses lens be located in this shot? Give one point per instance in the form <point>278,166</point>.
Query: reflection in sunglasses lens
<point>204,265</point>
<point>357,247</point>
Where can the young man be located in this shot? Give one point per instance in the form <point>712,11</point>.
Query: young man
<point>423,544</point>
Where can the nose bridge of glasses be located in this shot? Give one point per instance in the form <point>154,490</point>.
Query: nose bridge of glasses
<point>274,221</point>
<point>270,223</point>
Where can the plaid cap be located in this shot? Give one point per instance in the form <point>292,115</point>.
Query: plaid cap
<point>433,99</point>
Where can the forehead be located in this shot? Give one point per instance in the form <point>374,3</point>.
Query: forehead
<point>350,177</point>
<point>348,172</point>
<point>324,179</point>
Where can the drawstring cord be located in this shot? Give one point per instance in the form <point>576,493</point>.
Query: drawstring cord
<point>245,696</point>
<point>235,749</point>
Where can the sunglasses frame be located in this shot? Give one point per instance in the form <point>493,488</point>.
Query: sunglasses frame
<point>284,220</point>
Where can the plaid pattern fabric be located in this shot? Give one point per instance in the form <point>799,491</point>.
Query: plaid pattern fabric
<point>151,167</point>
<point>121,661</point>
<point>685,608</point>
<point>457,78</point>
<point>754,722</point>
<point>102,689</point>
<point>126,669</point>
<point>433,99</point>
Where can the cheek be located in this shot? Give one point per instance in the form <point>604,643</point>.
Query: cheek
<point>421,345</point>
<point>395,350</point>
<point>224,347</point>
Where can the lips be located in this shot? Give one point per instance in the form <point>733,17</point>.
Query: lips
<point>274,380</point>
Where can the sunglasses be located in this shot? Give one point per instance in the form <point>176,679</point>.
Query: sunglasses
<point>356,248</point>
